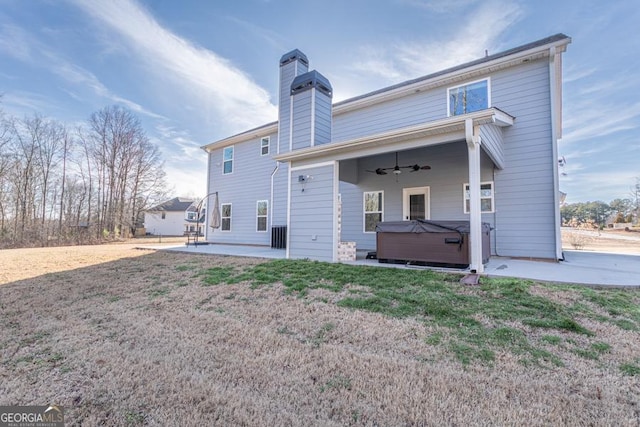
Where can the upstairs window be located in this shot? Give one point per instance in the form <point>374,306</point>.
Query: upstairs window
<point>191,216</point>
<point>264,146</point>
<point>225,216</point>
<point>227,160</point>
<point>468,98</point>
<point>486,197</point>
<point>373,213</point>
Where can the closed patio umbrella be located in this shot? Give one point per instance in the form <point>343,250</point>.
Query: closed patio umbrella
<point>215,213</point>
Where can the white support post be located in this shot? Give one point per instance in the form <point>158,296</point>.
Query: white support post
<point>475,210</point>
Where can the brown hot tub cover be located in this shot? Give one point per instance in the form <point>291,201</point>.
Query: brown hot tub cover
<point>428,242</point>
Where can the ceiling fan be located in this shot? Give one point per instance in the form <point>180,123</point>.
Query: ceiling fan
<point>397,169</point>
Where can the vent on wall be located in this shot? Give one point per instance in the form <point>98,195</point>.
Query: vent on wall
<point>279,237</point>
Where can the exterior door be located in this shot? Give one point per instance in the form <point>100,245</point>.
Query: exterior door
<point>415,203</point>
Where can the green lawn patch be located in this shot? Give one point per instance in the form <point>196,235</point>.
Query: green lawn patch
<point>475,322</point>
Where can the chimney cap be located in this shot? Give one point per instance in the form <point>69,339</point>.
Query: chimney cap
<point>312,79</point>
<point>295,54</point>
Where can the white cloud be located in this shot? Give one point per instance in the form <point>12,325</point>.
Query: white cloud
<point>213,80</point>
<point>479,29</point>
<point>15,42</point>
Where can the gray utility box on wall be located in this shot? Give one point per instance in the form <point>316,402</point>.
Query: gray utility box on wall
<point>423,242</point>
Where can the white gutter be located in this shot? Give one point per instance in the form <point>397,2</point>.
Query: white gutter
<point>555,75</point>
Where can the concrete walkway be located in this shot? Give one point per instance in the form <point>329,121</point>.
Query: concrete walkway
<point>590,268</point>
<point>580,267</point>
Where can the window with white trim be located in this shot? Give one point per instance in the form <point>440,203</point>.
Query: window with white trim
<point>264,146</point>
<point>262,206</point>
<point>486,197</point>
<point>227,160</point>
<point>473,96</point>
<point>373,210</point>
<point>225,217</point>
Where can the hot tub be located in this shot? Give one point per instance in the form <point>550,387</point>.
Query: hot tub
<point>425,242</point>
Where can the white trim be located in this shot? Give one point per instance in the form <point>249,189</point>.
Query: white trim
<point>312,165</point>
<point>313,117</point>
<point>488,80</point>
<point>475,215</point>
<point>290,123</point>
<point>415,136</point>
<point>493,198</point>
<point>555,77</point>
<point>266,227</point>
<point>409,191</point>
<point>336,196</point>
<point>273,175</point>
<point>232,160</point>
<point>288,249</point>
<point>206,217</point>
<point>230,217</point>
<point>364,210</point>
<point>268,139</point>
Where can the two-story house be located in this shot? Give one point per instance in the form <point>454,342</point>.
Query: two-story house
<point>475,142</point>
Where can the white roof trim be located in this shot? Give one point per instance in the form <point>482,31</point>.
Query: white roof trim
<point>434,128</point>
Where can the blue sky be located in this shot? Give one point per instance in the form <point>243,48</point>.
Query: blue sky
<point>198,71</point>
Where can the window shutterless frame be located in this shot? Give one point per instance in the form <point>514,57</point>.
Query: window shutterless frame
<point>469,97</point>
<point>225,217</point>
<point>372,210</point>
<point>264,145</point>
<point>262,210</point>
<point>227,160</point>
<point>486,197</point>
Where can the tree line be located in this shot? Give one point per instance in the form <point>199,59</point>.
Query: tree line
<point>83,185</point>
<point>599,213</point>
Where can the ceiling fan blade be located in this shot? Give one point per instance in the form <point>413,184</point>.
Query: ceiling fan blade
<point>378,171</point>
<point>425,167</point>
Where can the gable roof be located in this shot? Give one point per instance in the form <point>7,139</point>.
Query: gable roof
<point>523,53</point>
<point>177,204</point>
<point>489,58</point>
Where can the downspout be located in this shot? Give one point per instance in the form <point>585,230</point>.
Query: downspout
<point>555,88</point>
<point>273,174</point>
<point>475,212</point>
<point>206,222</point>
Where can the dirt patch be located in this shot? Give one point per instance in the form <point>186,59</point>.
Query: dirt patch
<point>615,241</point>
<point>122,336</point>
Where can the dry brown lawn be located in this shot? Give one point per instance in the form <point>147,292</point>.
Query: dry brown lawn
<point>121,336</point>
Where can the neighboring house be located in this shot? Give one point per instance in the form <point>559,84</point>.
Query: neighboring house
<point>174,217</point>
<point>488,129</point>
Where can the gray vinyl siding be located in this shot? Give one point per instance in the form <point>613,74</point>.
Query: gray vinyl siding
<point>301,117</point>
<point>312,215</point>
<point>410,110</point>
<point>280,199</point>
<point>322,118</point>
<point>525,196</point>
<point>449,163</point>
<point>492,143</point>
<point>243,189</point>
<point>287,73</point>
